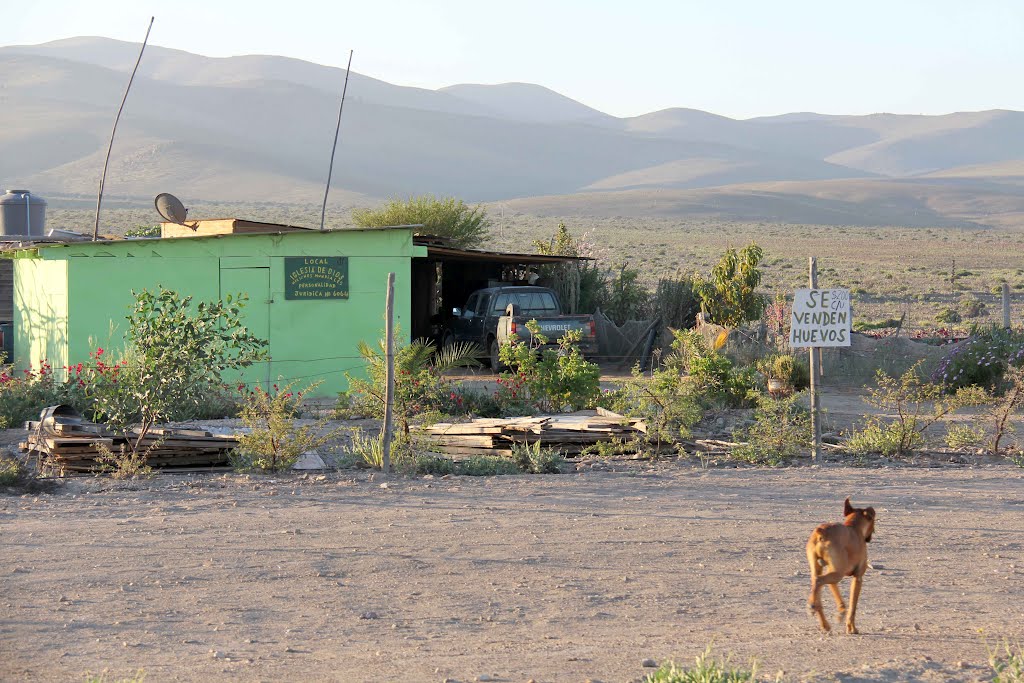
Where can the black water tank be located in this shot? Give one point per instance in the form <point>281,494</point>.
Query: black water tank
<point>22,213</point>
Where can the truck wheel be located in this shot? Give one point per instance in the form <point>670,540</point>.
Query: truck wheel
<point>447,339</point>
<point>496,363</point>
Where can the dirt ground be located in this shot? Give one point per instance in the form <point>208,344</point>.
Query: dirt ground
<point>352,577</point>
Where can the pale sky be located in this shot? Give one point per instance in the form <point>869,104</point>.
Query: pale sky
<point>740,58</point>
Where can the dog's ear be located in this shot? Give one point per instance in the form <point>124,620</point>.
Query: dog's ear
<point>870,512</point>
<point>847,508</point>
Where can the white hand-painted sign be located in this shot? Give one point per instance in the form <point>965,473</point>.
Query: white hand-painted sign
<point>821,317</point>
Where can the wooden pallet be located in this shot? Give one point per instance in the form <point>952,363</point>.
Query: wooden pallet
<point>81,446</point>
<point>569,433</point>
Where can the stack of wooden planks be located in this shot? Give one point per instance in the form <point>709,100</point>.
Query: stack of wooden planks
<point>78,446</point>
<point>569,433</point>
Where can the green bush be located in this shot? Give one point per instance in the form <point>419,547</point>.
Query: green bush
<point>781,431</point>
<point>947,316</point>
<point>548,379</point>
<point>464,225</point>
<point>175,356</point>
<point>666,400</point>
<point>964,436</point>
<point>486,466</point>
<point>11,471</point>
<point>706,669</point>
<point>716,382</point>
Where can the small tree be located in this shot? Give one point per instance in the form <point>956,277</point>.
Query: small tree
<point>728,297</point>
<point>174,357</point>
<point>582,286</point>
<point>274,441</point>
<point>465,226</point>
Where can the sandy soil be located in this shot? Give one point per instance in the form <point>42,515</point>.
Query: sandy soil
<point>348,577</point>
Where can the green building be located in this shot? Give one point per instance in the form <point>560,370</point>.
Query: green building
<point>313,295</point>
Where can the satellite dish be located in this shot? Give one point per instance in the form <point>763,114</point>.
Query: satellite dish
<point>171,208</point>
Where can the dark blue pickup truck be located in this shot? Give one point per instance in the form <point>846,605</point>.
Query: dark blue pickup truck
<point>492,315</point>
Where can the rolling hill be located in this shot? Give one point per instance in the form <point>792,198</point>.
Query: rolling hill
<point>258,129</point>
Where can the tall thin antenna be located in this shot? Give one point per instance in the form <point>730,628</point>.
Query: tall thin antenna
<point>103,178</point>
<point>330,169</point>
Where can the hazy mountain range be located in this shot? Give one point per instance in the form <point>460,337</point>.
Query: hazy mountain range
<point>259,129</point>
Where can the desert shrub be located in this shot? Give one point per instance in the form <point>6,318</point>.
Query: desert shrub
<point>1007,662</point>
<point>533,458</point>
<point>781,430</point>
<point>486,466</point>
<point>665,400</point>
<point>972,307</point>
<point>728,296</point>
<point>964,436</point>
<point>11,471</point>
<point>947,316</point>
<point>104,677</point>
<point>706,669</point>
<point>432,464</point>
<point>675,302</point>
<point>1005,402</point>
<point>275,441</point>
<point>546,378</point>
<point>879,437</point>
<point>917,405</point>
<point>982,359</point>
<point>420,385</point>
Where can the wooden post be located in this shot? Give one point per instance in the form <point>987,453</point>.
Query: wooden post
<point>815,359</point>
<point>1006,305</point>
<point>389,390</point>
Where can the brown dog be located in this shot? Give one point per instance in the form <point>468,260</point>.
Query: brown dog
<point>835,551</point>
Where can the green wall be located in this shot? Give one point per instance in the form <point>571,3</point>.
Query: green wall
<point>71,298</point>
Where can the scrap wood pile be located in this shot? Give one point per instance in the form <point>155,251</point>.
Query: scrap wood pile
<point>64,440</point>
<point>568,433</point>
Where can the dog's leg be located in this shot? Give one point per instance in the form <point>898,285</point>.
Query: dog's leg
<point>851,627</point>
<point>840,605</point>
<point>814,600</point>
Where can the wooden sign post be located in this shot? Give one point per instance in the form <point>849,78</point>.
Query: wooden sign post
<point>389,389</point>
<point>821,317</point>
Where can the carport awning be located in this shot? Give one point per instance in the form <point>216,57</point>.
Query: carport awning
<point>453,254</point>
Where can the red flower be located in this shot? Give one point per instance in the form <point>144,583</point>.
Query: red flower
<point>99,351</point>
